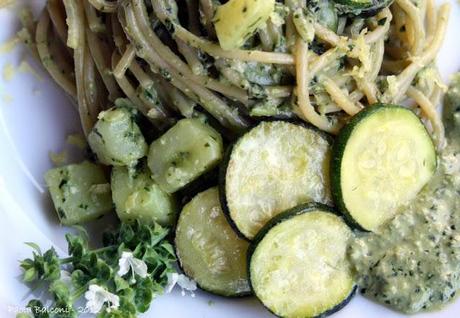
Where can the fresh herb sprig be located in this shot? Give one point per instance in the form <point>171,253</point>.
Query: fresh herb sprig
<point>118,280</point>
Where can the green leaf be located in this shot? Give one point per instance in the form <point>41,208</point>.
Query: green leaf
<point>26,263</point>
<point>109,238</point>
<point>60,290</point>
<point>41,267</point>
<point>79,278</point>
<point>147,242</point>
<point>87,263</point>
<point>30,275</point>
<point>127,301</point>
<point>34,246</point>
<point>77,246</point>
<point>82,232</point>
<point>169,249</point>
<point>120,283</point>
<point>143,294</point>
<point>126,233</point>
<point>62,309</point>
<point>116,314</point>
<point>103,271</point>
<point>51,265</point>
<point>37,309</point>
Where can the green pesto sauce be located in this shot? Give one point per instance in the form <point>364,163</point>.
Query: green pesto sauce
<point>413,263</point>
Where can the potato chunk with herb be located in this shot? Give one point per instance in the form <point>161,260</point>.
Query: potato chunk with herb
<point>80,192</point>
<point>185,152</point>
<point>138,197</point>
<point>237,20</point>
<point>116,138</point>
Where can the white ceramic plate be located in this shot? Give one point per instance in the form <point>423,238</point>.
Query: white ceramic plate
<point>35,117</point>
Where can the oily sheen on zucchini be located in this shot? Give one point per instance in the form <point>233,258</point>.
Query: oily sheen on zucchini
<point>381,160</point>
<point>208,249</point>
<point>298,265</point>
<point>275,166</point>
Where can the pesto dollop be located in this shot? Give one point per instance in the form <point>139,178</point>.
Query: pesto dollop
<point>413,262</point>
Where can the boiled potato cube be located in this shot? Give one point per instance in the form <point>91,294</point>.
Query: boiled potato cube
<point>80,192</point>
<point>138,197</point>
<point>237,20</point>
<point>116,139</point>
<point>185,152</point>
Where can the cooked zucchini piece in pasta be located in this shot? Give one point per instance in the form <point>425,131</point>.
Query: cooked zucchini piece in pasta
<point>116,138</point>
<point>362,8</point>
<point>80,192</point>
<point>236,20</point>
<point>382,158</point>
<point>138,197</point>
<point>325,13</point>
<point>185,152</point>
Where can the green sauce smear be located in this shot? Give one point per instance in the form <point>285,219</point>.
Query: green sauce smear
<point>413,263</point>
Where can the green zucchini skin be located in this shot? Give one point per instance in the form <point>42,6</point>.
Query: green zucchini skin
<point>226,159</point>
<point>229,296</point>
<point>178,238</point>
<point>204,182</point>
<point>326,13</point>
<point>277,219</point>
<point>298,210</point>
<point>336,160</point>
<point>223,195</point>
<point>359,9</point>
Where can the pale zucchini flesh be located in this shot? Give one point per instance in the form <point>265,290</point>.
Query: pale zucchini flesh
<point>207,248</point>
<point>299,266</point>
<point>274,167</point>
<point>382,160</point>
<point>185,152</point>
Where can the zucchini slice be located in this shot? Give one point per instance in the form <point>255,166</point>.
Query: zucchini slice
<point>361,8</point>
<point>298,264</point>
<point>381,160</point>
<point>208,250</point>
<point>274,167</point>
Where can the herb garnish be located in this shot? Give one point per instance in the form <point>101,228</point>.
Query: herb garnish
<point>118,280</point>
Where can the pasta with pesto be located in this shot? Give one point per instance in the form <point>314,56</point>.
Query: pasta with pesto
<point>308,60</point>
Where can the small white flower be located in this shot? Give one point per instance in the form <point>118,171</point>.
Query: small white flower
<point>128,262</point>
<point>185,283</point>
<point>97,296</point>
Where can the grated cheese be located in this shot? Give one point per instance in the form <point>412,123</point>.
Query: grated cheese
<point>8,72</point>
<point>58,159</point>
<point>76,140</point>
<point>9,45</point>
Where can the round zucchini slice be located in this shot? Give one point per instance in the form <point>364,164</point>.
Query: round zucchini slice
<point>274,167</point>
<point>382,158</point>
<point>208,249</point>
<point>298,264</point>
